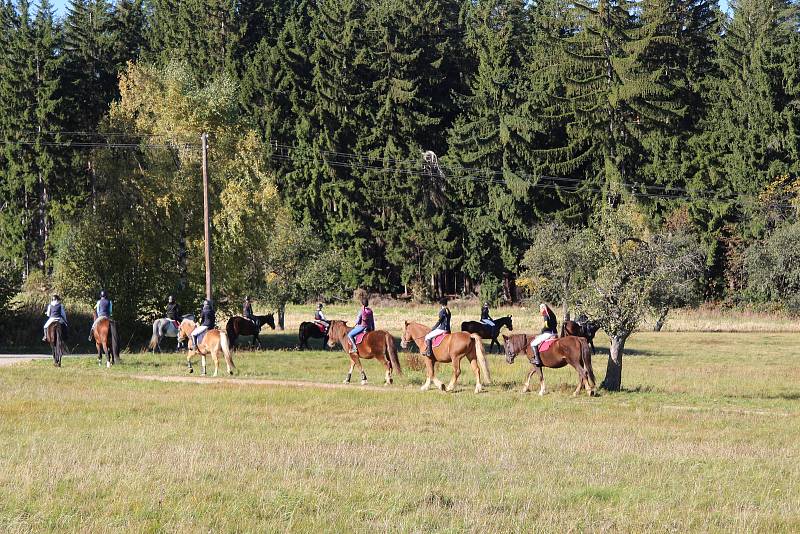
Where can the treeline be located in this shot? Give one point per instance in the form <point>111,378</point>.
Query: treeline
<point>420,144</point>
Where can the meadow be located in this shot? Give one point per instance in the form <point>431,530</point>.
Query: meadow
<point>704,437</point>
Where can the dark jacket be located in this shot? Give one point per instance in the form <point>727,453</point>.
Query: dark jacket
<point>485,313</point>
<point>551,324</point>
<point>55,311</point>
<point>103,307</point>
<point>247,309</point>
<point>173,312</point>
<point>207,317</point>
<point>444,320</point>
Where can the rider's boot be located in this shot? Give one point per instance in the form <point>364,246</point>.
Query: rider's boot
<point>537,360</point>
<point>428,348</point>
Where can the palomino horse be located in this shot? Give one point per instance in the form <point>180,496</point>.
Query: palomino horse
<point>214,341</point>
<point>570,350</point>
<point>241,326</point>
<point>165,328</point>
<point>309,329</point>
<point>377,344</point>
<point>107,341</point>
<point>486,331</point>
<point>55,336</point>
<point>453,347</point>
<point>585,330</point>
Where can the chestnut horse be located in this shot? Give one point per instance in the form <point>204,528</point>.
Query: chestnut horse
<point>107,341</point>
<point>214,341</point>
<point>55,336</point>
<point>454,346</point>
<point>377,344</point>
<point>486,331</point>
<point>242,326</point>
<point>570,350</point>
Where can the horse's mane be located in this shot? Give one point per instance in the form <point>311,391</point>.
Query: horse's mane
<point>518,342</point>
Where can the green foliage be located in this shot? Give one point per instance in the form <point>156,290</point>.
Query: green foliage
<point>772,268</point>
<point>491,290</point>
<point>10,277</point>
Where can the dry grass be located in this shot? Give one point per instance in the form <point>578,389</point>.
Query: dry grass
<point>705,438</point>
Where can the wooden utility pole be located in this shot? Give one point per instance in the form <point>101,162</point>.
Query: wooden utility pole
<point>206,215</point>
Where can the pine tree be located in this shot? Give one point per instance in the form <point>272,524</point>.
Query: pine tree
<point>129,28</point>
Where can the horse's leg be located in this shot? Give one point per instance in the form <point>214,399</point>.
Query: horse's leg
<point>215,357</point>
<point>527,386</point>
<point>99,354</point>
<point>582,378</point>
<point>202,361</point>
<point>476,370</point>
<point>541,381</point>
<point>388,376</point>
<point>436,382</point>
<point>189,360</point>
<point>361,368</point>
<point>350,372</point>
<point>258,342</point>
<point>456,373</point>
<point>428,373</point>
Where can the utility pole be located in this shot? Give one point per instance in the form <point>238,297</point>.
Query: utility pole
<point>206,216</point>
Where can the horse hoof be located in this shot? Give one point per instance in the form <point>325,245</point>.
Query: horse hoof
<point>230,373</point>
<point>442,388</point>
<point>363,382</point>
<point>191,370</point>
<point>478,389</point>
<point>108,365</point>
<point>424,388</point>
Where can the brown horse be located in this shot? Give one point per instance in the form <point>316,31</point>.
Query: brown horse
<point>107,341</point>
<point>585,330</point>
<point>453,347</point>
<point>309,329</point>
<point>377,344</point>
<point>487,332</point>
<point>242,326</point>
<point>570,350</point>
<point>55,336</point>
<point>214,341</point>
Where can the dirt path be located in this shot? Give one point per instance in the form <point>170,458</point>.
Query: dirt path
<point>11,359</point>
<point>265,382</point>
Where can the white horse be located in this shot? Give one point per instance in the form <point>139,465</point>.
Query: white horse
<point>165,328</point>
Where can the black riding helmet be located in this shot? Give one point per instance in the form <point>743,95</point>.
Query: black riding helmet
<point>171,299</point>
<point>103,294</point>
<point>443,301</point>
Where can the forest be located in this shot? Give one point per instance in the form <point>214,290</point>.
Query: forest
<point>420,147</point>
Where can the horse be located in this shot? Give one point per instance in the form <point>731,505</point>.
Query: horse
<point>454,346</point>
<point>55,336</point>
<point>214,341</point>
<point>242,326</point>
<point>309,329</point>
<point>107,341</point>
<point>377,344</point>
<point>165,328</point>
<point>572,350</point>
<point>486,331</point>
<point>585,330</point>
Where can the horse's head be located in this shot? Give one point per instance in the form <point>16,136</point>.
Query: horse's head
<point>509,343</point>
<point>510,323</point>
<point>591,329</point>
<point>406,337</point>
<point>270,320</point>
<point>335,332</point>
<point>185,329</point>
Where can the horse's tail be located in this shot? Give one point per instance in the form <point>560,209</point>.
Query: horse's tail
<point>230,329</point>
<point>392,349</point>
<point>154,340</point>
<point>482,363</point>
<point>300,330</point>
<point>226,348</point>
<point>112,325</point>
<point>58,347</point>
<point>563,328</point>
<point>586,359</point>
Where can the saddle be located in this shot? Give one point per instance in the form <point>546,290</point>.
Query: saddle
<point>322,327</point>
<point>547,344</point>
<point>438,339</point>
<point>176,324</point>
<point>360,337</point>
<point>201,336</point>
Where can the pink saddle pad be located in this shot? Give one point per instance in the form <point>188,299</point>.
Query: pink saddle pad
<point>438,339</point>
<point>547,344</point>
<point>360,337</point>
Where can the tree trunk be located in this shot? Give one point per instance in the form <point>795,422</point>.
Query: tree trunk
<point>662,318</point>
<point>613,380</point>
<point>281,315</point>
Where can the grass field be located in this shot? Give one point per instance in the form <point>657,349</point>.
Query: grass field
<point>704,438</point>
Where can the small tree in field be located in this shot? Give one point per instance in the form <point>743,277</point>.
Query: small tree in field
<point>637,269</point>
<point>772,268</point>
<point>560,261</point>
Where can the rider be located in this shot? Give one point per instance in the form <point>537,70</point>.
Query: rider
<point>364,321</point>
<point>207,320</point>
<point>485,317</point>
<point>173,311</point>
<point>247,310</point>
<point>103,308</point>
<point>319,317</point>
<point>55,312</point>
<point>548,332</point>
<point>441,327</point>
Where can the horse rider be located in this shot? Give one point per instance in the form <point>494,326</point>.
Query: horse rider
<point>364,322</point>
<point>442,326</point>
<point>319,317</point>
<point>173,311</point>
<point>103,308</point>
<point>548,332</point>
<point>207,320</point>
<point>55,312</point>
<point>247,310</point>
<point>485,317</point>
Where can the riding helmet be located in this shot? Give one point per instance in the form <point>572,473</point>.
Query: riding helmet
<point>443,301</point>
<point>103,294</point>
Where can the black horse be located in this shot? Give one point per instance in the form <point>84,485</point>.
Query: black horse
<point>487,332</point>
<point>586,330</point>
<point>241,326</point>
<point>309,329</point>
<point>55,336</point>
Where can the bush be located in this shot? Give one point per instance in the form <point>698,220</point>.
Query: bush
<point>772,268</point>
<point>491,290</point>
